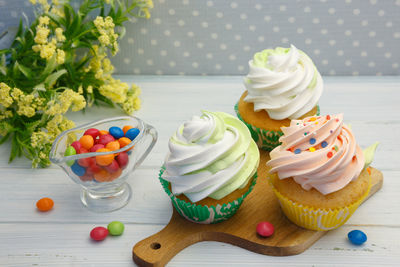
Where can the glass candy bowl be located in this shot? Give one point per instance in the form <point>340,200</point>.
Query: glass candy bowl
<point>104,189</point>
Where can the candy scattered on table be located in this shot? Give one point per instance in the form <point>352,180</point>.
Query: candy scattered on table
<point>45,204</point>
<point>98,233</point>
<point>357,237</point>
<point>101,168</point>
<point>265,229</point>
<point>115,228</point>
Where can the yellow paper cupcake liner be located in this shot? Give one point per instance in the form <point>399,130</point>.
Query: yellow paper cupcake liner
<point>315,218</point>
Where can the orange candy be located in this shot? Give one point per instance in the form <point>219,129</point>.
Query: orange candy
<point>115,175</point>
<point>126,128</point>
<point>104,160</point>
<point>87,141</point>
<point>114,145</point>
<point>102,176</point>
<point>124,141</point>
<point>103,132</point>
<point>45,204</point>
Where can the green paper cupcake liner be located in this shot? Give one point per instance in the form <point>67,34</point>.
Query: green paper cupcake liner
<point>265,139</point>
<point>204,214</point>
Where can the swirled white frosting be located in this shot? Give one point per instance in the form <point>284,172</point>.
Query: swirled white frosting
<point>284,82</point>
<point>210,156</point>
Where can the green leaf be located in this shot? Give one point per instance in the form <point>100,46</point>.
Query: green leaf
<point>14,149</point>
<point>51,79</point>
<point>50,66</point>
<point>39,87</point>
<point>4,138</point>
<point>25,70</point>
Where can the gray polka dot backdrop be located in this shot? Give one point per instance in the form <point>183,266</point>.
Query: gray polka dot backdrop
<point>191,37</point>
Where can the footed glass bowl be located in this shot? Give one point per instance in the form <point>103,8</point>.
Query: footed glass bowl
<point>104,188</point>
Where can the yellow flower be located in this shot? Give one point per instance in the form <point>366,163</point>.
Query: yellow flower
<point>114,90</point>
<point>48,50</point>
<point>5,98</point>
<point>80,89</point>
<point>41,34</point>
<point>44,20</point>
<point>146,13</point>
<point>39,139</point>
<point>150,3</point>
<point>104,40</point>
<point>89,89</point>
<point>59,35</point>
<point>60,56</point>
<point>55,2</point>
<point>33,2</point>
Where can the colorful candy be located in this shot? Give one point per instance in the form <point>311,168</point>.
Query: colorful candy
<point>115,228</point>
<point>126,128</point>
<point>357,237</point>
<point>69,152</point>
<point>45,204</point>
<point>116,132</point>
<point>105,139</point>
<point>87,141</point>
<point>96,147</point>
<point>114,145</point>
<point>265,229</point>
<point>98,233</point>
<point>104,160</point>
<point>78,169</point>
<point>93,132</point>
<point>122,160</point>
<point>77,145</point>
<point>132,133</point>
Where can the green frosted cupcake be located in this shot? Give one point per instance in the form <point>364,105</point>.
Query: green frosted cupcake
<point>210,168</point>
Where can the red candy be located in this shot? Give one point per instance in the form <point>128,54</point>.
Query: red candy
<point>86,177</point>
<point>82,150</point>
<point>96,147</point>
<point>76,145</point>
<point>94,168</point>
<point>113,167</point>
<point>265,229</point>
<point>98,233</point>
<point>93,132</point>
<point>123,159</point>
<point>86,162</point>
<point>105,139</point>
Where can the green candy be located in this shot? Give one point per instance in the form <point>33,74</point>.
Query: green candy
<point>69,152</point>
<point>115,228</point>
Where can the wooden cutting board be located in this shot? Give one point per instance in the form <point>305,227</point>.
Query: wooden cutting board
<point>240,230</point>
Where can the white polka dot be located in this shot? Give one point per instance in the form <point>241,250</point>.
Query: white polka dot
<point>153,42</point>
<point>218,66</point>
<point>136,71</point>
<point>159,72</point>
<point>177,44</point>
<point>228,26</point>
<point>210,3</point>
<point>195,65</point>
<point>371,64</point>
<point>161,1</point>
<point>325,62</point>
<point>195,13</point>
<point>388,55</point>
<point>347,62</point>
<point>396,35</point>
<point>389,24</point>
<point>181,73</point>
<point>260,39</point>
<point>397,2</point>
<point>331,11</point>
<point>232,57</point>
<point>364,53</point>
<point>380,44</point>
<point>373,2</point>
<point>308,41</point>
<point>133,20</point>
<point>395,65</point>
<point>291,19</point>
<point>324,31</point>
<point>246,48</point>
<point>267,18</point>
<point>185,2</point>
<point>364,22</point>
<point>167,33</point>
<point>379,74</point>
<point>190,34</point>
<point>127,60</point>
<point>315,20</point>
<point>240,68</point>
<point>238,37</point>
<point>222,46</point>
<point>355,73</point>
<point>332,72</point>
<point>300,30</point>
<point>317,51</point>
<point>234,5</point>
<point>347,33</point>
<point>209,55</point>
<point>252,28</point>
<point>219,15</point>
<point>381,13</point>
<point>163,53</point>
<point>14,14</point>
<point>332,42</point>
<point>203,74</point>
<point>140,51</point>
<point>149,62</point>
<point>282,8</point>
<point>285,40</point>
<point>340,22</point>
<point>348,1</point>
<point>143,31</point>
<point>181,23</point>
<point>157,21</point>
<point>172,63</point>
<point>258,7</point>
<point>243,16</point>
<point>214,35</point>
<point>204,24</point>
<point>2,24</point>
<point>356,43</point>
<point>171,12</point>
<point>275,29</point>
<point>131,40</point>
<point>186,54</point>
<point>372,34</point>
<point>340,53</point>
<point>200,45</point>
<point>356,11</point>
<point>307,9</point>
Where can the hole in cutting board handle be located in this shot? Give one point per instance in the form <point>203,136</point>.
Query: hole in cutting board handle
<point>155,245</point>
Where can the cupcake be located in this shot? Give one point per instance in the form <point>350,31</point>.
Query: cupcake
<point>283,84</point>
<point>318,172</point>
<point>210,167</point>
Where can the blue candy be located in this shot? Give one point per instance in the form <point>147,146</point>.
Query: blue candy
<point>357,237</point>
<point>116,132</point>
<point>132,133</point>
<point>78,169</point>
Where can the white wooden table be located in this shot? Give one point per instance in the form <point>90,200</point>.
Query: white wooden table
<point>61,236</point>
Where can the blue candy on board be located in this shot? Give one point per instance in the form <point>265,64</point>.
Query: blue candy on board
<point>78,169</point>
<point>116,132</point>
<point>357,237</point>
<point>132,133</point>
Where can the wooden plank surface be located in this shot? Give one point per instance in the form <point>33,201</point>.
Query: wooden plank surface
<point>29,238</point>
